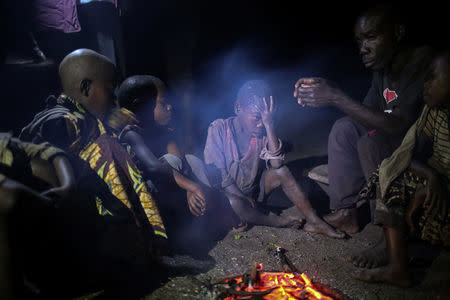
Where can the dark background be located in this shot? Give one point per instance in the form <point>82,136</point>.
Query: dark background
<point>204,50</point>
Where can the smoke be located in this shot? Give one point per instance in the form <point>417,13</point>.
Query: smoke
<point>218,80</point>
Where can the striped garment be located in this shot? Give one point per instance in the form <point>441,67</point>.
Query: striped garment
<point>393,202</point>
<point>436,128</point>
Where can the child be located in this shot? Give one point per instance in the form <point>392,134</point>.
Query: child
<point>159,157</point>
<point>238,147</point>
<point>75,122</point>
<point>412,186</point>
<point>34,180</point>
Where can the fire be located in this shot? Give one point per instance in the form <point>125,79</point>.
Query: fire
<point>287,286</point>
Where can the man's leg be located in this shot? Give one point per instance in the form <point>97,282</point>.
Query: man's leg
<point>372,149</point>
<point>283,178</point>
<point>345,174</point>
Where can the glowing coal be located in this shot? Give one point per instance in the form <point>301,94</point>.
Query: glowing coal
<point>259,284</point>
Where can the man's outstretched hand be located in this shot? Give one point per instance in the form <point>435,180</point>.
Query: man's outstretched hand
<point>316,92</point>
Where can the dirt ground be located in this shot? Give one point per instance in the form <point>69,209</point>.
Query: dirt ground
<point>323,259</point>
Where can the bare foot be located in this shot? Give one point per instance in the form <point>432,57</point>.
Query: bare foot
<point>292,222</point>
<point>344,219</point>
<point>370,258</point>
<point>319,226</point>
<point>388,274</point>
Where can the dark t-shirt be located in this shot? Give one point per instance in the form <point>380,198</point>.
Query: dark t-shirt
<point>404,94</point>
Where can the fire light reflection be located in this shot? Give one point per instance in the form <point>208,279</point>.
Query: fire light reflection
<point>288,286</point>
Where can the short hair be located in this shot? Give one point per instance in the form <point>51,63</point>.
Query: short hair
<point>389,13</point>
<point>83,64</point>
<point>252,92</point>
<point>138,86</point>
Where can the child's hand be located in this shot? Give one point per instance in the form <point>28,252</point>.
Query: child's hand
<point>436,199</point>
<point>197,201</point>
<point>267,113</point>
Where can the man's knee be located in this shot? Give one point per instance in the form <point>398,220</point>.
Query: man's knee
<point>374,147</point>
<point>344,130</point>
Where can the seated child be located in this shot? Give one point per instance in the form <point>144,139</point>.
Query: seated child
<point>144,95</point>
<point>75,122</point>
<point>411,188</point>
<point>34,179</point>
<point>249,157</point>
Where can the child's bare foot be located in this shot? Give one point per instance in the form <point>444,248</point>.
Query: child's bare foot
<point>343,219</point>
<point>388,274</point>
<point>293,222</point>
<point>371,258</point>
<point>319,226</point>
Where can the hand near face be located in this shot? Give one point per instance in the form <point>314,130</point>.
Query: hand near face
<point>266,112</point>
<point>316,92</point>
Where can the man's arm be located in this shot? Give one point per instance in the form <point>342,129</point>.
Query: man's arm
<point>318,92</point>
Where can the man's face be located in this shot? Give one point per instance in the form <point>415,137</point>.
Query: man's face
<point>437,90</point>
<point>250,119</point>
<point>376,41</point>
<point>162,114</point>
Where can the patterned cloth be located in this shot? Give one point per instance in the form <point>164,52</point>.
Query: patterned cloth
<point>430,131</point>
<point>16,156</point>
<point>67,124</point>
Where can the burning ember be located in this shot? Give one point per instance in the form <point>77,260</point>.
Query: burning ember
<point>278,285</point>
<point>287,285</point>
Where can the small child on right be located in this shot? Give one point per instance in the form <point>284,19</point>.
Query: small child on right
<point>411,188</point>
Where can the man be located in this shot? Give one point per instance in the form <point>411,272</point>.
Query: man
<point>373,128</point>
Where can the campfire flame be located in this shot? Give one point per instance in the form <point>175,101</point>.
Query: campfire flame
<point>287,286</point>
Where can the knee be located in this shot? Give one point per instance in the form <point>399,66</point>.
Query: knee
<point>283,173</point>
<point>371,146</point>
<point>342,130</point>
<point>365,145</point>
<point>174,161</point>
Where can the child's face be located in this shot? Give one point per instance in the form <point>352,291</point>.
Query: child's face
<point>162,114</point>
<point>437,89</point>
<point>101,96</point>
<point>250,119</point>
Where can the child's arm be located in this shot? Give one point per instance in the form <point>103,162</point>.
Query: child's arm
<point>65,176</point>
<point>153,165</point>
<point>273,143</point>
<point>150,162</point>
<point>436,189</point>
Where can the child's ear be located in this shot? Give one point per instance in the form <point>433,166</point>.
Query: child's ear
<point>85,86</point>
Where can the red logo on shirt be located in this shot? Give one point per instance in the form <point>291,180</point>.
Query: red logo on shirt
<point>389,95</point>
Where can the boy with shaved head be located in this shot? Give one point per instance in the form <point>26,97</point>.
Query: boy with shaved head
<point>77,122</point>
<point>249,158</point>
